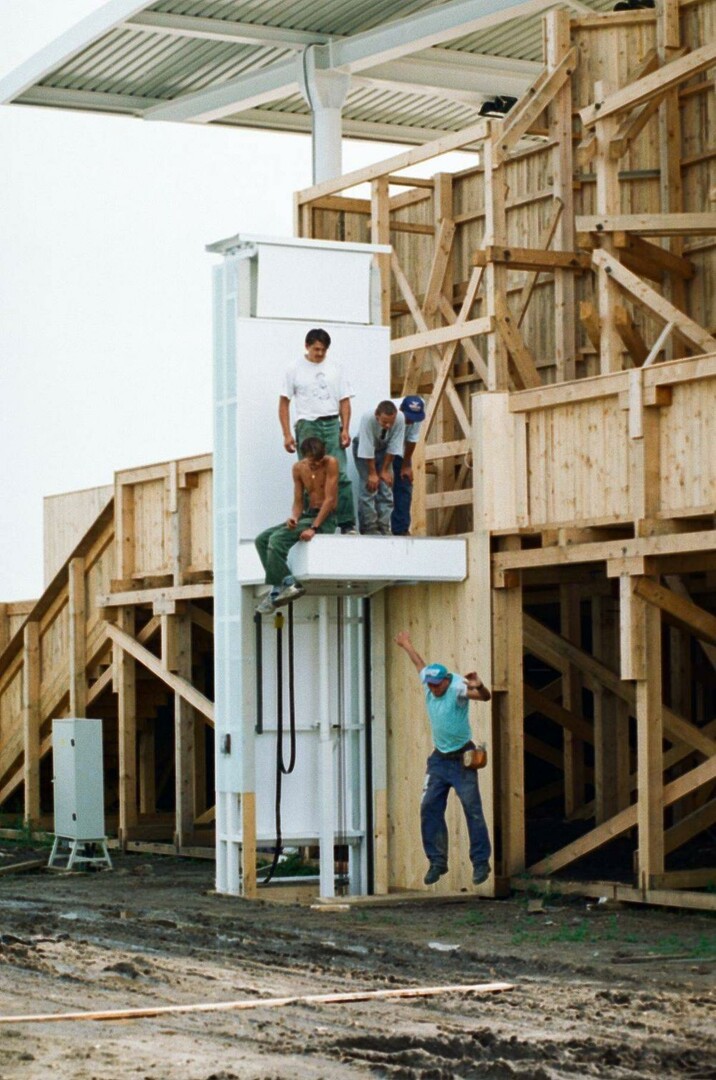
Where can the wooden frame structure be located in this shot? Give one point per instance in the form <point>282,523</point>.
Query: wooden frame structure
<point>555,304</point>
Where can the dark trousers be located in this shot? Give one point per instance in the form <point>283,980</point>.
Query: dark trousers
<point>402,499</point>
<point>329,431</point>
<point>274,544</point>
<point>445,773</point>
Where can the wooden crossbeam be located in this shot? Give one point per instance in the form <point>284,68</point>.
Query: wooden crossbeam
<point>558,653</point>
<point>636,121</point>
<point>590,321</point>
<point>440,336</point>
<point>519,258</point>
<point>645,225</point>
<point>623,821</point>
<point>683,612</point>
<point>629,333</point>
<point>148,660</point>
<point>534,101</point>
<point>655,84</point>
<point>524,365</point>
<point>469,346</point>
<point>566,718</point>
<point>655,260</point>
<point>653,301</point>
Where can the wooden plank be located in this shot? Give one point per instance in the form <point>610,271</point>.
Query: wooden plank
<point>31,720</point>
<point>628,332</point>
<point>623,821</point>
<point>684,612</point>
<point>475,133</point>
<point>654,303</point>
<point>380,234</point>
<point>439,500</point>
<point>151,596</point>
<point>636,93</point>
<point>691,224</point>
<point>521,258</point>
<point>524,364</point>
<point>181,686</point>
<point>498,377</point>
<point>261,1003</point>
<point>568,719</point>
<point>641,547</point>
<point>440,336</point>
<point>663,260</point>
<point>607,199</point>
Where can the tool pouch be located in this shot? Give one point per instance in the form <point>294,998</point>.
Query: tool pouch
<point>475,758</point>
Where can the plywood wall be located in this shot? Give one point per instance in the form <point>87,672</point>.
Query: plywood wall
<point>66,518</point>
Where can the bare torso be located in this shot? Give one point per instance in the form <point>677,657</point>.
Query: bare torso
<point>313,479</point>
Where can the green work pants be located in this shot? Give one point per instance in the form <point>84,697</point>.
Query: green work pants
<point>274,544</point>
<point>329,431</point>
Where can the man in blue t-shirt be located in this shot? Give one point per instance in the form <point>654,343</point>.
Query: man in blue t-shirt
<point>447,698</point>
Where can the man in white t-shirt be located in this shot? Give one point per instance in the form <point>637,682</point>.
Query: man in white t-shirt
<point>321,395</point>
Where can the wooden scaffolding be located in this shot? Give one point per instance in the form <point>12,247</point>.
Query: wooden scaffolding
<point>555,302</point>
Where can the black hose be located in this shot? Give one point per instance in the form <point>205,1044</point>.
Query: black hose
<point>368,716</point>
<point>258,624</point>
<point>281,769</point>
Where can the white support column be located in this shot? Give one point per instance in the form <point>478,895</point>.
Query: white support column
<point>325,92</point>
<point>327,838</point>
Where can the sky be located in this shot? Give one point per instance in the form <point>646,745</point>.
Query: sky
<point>105,287</point>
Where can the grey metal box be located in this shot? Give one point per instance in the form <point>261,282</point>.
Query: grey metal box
<point>78,778</point>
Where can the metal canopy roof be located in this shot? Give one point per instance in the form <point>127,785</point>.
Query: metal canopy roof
<point>418,68</point>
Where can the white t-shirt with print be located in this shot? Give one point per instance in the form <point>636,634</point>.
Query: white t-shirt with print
<point>316,389</point>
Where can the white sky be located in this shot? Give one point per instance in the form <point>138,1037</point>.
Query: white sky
<point>105,318</point>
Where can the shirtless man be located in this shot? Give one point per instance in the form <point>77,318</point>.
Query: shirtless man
<point>315,496</point>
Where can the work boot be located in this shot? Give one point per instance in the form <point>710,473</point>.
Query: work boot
<point>433,873</point>
<point>268,604</point>
<point>480,872</point>
<point>349,530</point>
<point>290,591</point>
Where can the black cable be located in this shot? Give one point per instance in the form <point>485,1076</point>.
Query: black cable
<point>368,717</point>
<point>258,624</point>
<point>281,769</point>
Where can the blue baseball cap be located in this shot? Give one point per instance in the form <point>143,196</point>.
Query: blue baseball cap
<point>434,674</point>
<point>413,408</point>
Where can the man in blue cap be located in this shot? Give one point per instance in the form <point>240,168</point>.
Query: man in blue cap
<point>447,698</point>
<point>413,409</point>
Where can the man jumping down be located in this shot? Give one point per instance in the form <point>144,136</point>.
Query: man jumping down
<point>315,495</point>
<point>447,698</point>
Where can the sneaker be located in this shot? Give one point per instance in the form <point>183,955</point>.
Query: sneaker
<point>349,530</point>
<point>433,873</point>
<point>268,604</point>
<point>289,593</point>
<point>480,873</point>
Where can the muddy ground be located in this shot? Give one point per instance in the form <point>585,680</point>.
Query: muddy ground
<point>620,993</point>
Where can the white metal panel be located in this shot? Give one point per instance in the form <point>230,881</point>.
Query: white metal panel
<point>305,283</point>
<point>379,559</point>
<point>78,778</point>
<point>264,349</point>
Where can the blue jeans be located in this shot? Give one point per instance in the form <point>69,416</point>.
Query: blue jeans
<point>443,774</point>
<point>402,498</point>
<point>374,507</point>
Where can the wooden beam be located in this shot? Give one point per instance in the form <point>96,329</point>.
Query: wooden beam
<point>628,332</point>
<point>520,258</point>
<point>546,237</point>
<point>440,336</point>
<point>621,822</point>
<point>184,734</point>
<point>683,612</point>
<point>655,84</point>
<point>380,234</point>
<point>151,596</point>
<point>534,101</point>
<point>181,686</point>
<point>77,637</point>
<point>31,720</point>
<point>650,731</point>
<point>692,224</point>
<point>660,260</point>
<point>125,681</point>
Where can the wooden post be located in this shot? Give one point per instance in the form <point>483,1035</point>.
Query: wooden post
<point>4,626</point>
<point>124,520</point>
<point>607,202</point>
<point>444,423</point>
<point>31,720</point>
<point>558,45</point>
<point>380,234</point>
<point>126,688</point>
<point>184,733</point>
<point>78,637</point>
<point>508,675</point>
<point>179,524</point>
<point>147,768</point>
<point>650,748</point>
<point>670,152</point>
<point>495,273</point>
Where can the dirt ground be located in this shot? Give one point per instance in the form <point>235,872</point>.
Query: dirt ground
<point>598,992</point>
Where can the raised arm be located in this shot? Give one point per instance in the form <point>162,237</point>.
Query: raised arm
<point>476,689</point>
<point>403,640</point>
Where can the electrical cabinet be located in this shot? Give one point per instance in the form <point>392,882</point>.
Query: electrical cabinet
<point>78,779</point>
